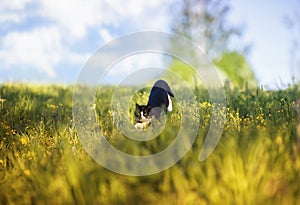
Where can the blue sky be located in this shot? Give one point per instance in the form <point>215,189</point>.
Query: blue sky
<point>271,41</point>
<point>48,41</point>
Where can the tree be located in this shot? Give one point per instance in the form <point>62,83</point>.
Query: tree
<point>231,62</point>
<point>205,22</point>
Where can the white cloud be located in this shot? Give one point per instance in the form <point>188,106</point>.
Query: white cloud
<point>9,17</point>
<point>11,11</point>
<point>105,35</point>
<point>13,5</point>
<point>75,16</point>
<point>40,48</point>
<point>137,62</point>
<point>136,69</point>
<point>44,47</point>
<point>152,15</point>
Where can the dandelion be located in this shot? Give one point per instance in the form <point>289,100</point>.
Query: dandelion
<point>278,140</point>
<point>27,172</point>
<point>52,106</point>
<point>23,140</point>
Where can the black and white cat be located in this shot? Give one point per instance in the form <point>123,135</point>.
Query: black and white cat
<point>160,97</point>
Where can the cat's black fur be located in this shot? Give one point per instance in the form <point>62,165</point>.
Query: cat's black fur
<point>159,98</point>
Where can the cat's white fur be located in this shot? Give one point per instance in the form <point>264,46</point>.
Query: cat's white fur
<point>142,115</point>
<point>170,108</point>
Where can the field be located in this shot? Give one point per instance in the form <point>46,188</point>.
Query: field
<point>42,161</point>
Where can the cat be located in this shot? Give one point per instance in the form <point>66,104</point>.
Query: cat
<point>160,97</point>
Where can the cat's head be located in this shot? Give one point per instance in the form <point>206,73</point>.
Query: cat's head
<point>142,112</point>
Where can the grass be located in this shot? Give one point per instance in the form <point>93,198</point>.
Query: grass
<point>42,161</point>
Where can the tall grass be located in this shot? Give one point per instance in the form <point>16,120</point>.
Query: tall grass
<point>42,161</point>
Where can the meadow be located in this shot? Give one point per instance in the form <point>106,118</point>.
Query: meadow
<point>42,161</point>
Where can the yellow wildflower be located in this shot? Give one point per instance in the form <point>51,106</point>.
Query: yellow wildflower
<point>278,140</point>
<point>23,140</point>
<point>27,172</point>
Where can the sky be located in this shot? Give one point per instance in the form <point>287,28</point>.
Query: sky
<point>269,37</point>
<point>49,41</point>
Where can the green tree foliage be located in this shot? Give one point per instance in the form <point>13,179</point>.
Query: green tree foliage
<point>237,68</point>
<point>183,70</point>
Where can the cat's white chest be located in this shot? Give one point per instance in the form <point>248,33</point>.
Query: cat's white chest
<point>169,108</point>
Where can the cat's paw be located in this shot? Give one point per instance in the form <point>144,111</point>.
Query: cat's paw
<point>139,126</point>
<point>142,125</point>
